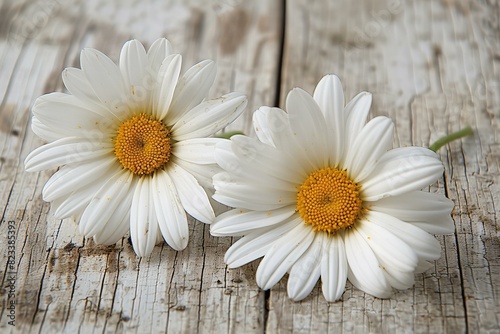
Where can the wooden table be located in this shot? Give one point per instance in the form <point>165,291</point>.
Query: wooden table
<point>433,66</point>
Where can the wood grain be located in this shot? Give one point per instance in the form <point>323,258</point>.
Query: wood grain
<point>432,66</point>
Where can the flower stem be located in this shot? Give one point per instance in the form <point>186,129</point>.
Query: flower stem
<point>451,137</point>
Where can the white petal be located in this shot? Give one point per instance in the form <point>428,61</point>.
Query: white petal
<point>67,116</point>
<point>291,150</point>
<point>439,226</point>
<point>389,249</point>
<point>119,223</point>
<point>43,131</point>
<point>356,112</point>
<point>171,215</point>
<point>252,166</point>
<point>75,210</point>
<point>193,197</point>
<point>402,170</point>
<point>106,80</point>
<point>428,211</point>
<point>422,243</point>
<point>250,196</point>
<point>415,206</point>
<point>256,244</point>
<point>67,179</point>
<point>77,84</point>
<point>260,120</point>
<point>209,117</point>
<point>197,150</point>
<point>202,173</point>
<point>159,50</point>
<point>227,160</point>
<point>168,75</point>
<point>265,159</point>
<point>330,98</point>
<point>105,202</point>
<point>133,63</point>
<point>278,125</point>
<point>333,268</point>
<point>239,222</point>
<point>65,151</point>
<point>306,271</point>
<point>75,203</point>
<point>308,126</point>
<point>143,221</point>
<point>373,141</point>
<point>364,269</point>
<point>400,280</point>
<point>283,254</point>
<point>192,88</point>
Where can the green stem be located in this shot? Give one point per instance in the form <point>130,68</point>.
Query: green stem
<point>228,135</point>
<point>451,137</point>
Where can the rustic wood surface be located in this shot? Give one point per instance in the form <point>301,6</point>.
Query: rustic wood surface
<point>433,66</point>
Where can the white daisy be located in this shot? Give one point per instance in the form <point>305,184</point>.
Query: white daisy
<point>322,194</point>
<point>131,140</point>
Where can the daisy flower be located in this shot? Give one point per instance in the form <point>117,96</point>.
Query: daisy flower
<point>321,193</point>
<point>133,143</point>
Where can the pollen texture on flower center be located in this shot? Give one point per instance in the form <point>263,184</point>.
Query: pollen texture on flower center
<point>328,200</point>
<point>142,144</point>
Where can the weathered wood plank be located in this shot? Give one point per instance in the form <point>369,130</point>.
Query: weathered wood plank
<point>433,68</point>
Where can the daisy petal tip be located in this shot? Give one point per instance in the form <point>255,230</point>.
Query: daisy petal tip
<point>138,252</point>
<point>209,65</point>
<point>181,244</point>
<point>297,90</point>
<point>331,79</point>
<point>332,295</point>
<point>176,58</point>
<point>97,239</point>
<point>161,41</point>
<point>332,298</point>
<point>214,231</point>
<point>295,94</point>
<point>65,73</point>
<point>30,161</point>
<point>232,265</point>
<point>84,229</point>
<point>209,219</point>
<point>27,165</point>
<point>297,292</point>
<point>144,250</point>
<point>58,215</point>
<point>209,69</point>
<point>261,111</point>
<point>296,296</point>
<point>238,97</point>
<point>265,285</point>
<point>231,261</point>
<point>134,43</point>
<point>90,54</point>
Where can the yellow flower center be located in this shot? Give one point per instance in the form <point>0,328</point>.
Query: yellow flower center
<point>329,201</point>
<point>142,144</point>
